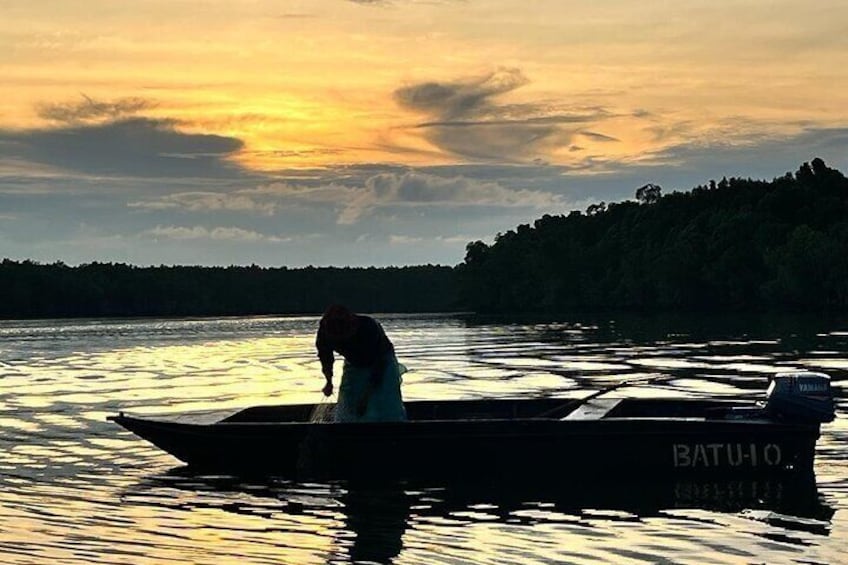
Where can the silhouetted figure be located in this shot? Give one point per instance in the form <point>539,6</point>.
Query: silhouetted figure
<point>378,518</point>
<point>370,384</point>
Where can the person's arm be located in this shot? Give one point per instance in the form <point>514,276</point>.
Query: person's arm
<point>325,354</point>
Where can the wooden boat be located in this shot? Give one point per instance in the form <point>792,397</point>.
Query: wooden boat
<point>596,436</point>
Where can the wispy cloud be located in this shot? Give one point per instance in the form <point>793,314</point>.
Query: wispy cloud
<point>88,109</point>
<point>216,233</point>
<point>440,239</point>
<point>599,136</point>
<point>468,120</point>
<point>762,155</point>
<point>378,191</point>
<point>460,99</point>
<point>418,189</point>
<point>208,201</point>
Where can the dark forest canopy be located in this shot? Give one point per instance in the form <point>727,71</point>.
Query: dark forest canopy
<point>112,289</point>
<point>738,244</point>
<point>733,245</point>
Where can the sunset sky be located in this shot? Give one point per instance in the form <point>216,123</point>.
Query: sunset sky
<point>341,132</point>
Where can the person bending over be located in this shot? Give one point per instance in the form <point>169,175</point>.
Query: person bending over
<point>370,386</point>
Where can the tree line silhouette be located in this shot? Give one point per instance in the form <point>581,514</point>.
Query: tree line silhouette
<point>30,290</point>
<point>738,244</point>
<point>733,245</point>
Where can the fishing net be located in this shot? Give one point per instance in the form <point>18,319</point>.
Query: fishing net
<point>323,412</point>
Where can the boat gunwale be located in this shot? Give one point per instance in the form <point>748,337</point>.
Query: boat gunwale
<point>723,424</point>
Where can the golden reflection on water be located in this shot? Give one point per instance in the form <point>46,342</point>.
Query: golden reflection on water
<point>77,489</point>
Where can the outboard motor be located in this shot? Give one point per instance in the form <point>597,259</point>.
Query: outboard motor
<point>800,396</point>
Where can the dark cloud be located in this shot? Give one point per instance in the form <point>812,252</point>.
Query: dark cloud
<point>89,109</point>
<point>468,120</point>
<point>599,136</point>
<point>460,99</point>
<point>140,147</point>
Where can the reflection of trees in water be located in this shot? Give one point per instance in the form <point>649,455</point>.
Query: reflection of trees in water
<point>709,348</point>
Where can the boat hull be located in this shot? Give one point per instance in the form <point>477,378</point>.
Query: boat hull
<point>491,447</point>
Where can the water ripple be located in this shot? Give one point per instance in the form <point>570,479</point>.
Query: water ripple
<point>76,489</point>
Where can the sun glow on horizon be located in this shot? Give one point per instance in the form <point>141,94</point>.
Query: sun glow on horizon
<point>316,86</point>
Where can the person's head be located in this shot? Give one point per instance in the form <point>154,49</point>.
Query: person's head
<point>338,322</point>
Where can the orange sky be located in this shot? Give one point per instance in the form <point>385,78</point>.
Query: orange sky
<point>314,81</point>
<point>319,85</point>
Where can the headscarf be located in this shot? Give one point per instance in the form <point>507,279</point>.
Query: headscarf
<point>338,322</point>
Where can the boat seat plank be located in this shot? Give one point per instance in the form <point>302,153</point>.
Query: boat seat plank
<point>594,409</point>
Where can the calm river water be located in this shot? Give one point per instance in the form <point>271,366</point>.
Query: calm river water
<point>75,488</point>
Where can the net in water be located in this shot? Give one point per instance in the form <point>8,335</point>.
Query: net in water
<point>323,413</point>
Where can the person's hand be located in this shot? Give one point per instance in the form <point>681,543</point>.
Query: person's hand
<point>328,389</point>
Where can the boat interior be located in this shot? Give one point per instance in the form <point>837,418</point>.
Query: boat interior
<point>537,408</point>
